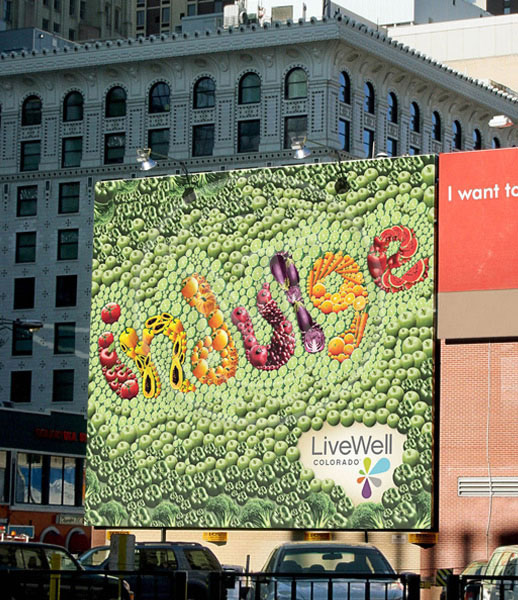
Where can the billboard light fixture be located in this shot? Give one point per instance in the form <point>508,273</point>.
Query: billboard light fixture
<point>26,324</point>
<point>147,163</point>
<point>298,144</point>
<point>500,122</point>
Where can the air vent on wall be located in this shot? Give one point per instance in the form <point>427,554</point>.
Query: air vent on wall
<point>482,486</point>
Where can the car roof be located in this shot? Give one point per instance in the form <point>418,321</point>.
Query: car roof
<point>325,545</point>
<point>511,548</point>
<point>32,544</point>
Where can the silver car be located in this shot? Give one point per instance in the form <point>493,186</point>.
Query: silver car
<point>306,570</point>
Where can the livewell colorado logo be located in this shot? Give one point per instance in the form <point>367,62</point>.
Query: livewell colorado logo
<point>361,459</point>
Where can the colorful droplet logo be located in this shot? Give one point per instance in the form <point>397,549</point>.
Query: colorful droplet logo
<point>367,476</point>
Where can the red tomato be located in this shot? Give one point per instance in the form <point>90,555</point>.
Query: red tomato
<point>111,313</point>
<point>107,358</point>
<point>106,339</point>
<point>129,389</point>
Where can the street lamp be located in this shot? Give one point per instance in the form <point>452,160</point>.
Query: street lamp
<point>25,324</point>
<point>147,163</point>
<point>500,122</point>
<point>298,144</point>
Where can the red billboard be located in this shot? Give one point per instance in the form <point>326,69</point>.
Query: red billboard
<point>478,225</point>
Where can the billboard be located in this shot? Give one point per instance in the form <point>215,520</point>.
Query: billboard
<point>475,189</point>
<point>262,349</point>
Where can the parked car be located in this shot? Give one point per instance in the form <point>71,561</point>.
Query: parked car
<point>503,562</point>
<point>24,572</point>
<point>472,586</point>
<point>352,565</point>
<point>155,565</point>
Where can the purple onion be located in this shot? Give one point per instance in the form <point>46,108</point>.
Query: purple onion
<point>292,273</point>
<point>303,317</point>
<point>314,339</point>
<point>278,268</point>
<point>294,294</point>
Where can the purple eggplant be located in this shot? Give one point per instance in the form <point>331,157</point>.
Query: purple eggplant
<point>293,294</point>
<point>314,339</point>
<point>292,273</point>
<point>278,268</point>
<point>303,317</point>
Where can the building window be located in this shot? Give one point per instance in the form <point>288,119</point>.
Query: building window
<point>495,143</point>
<point>31,111</point>
<point>45,24</point>
<point>344,134</point>
<point>66,290</point>
<point>368,98</point>
<point>71,34</point>
<point>64,338</point>
<point>24,293</point>
<point>202,140</point>
<point>436,126</point>
<point>415,118</point>
<point>345,88</point>
<point>477,140</point>
<point>72,7</point>
<point>20,387</point>
<point>25,246</point>
<point>159,98</point>
<point>72,152</point>
<point>30,156</point>
<point>116,102</point>
<point>191,10</point>
<point>204,93</point>
<point>457,136</point>
<point>56,27</point>
<point>68,198</point>
<point>117,19</point>
<point>391,146</point>
<point>166,15</point>
<point>158,142</point>
<point>413,151</point>
<point>22,341</point>
<point>4,477</point>
<point>392,110</point>
<point>249,89</point>
<point>141,18</point>
<point>62,480</point>
<point>82,9</point>
<point>114,146</point>
<point>63,385</point>
<point>29,478</point>
<point>68,244</point>
<point>368,143</point>
<point>27,201</point>
<point>73,107</point>
<point>296,84</point>
<point>295,128</point>
<point>248,136</point>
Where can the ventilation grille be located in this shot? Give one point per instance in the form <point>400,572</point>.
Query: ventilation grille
<point>483,486</point>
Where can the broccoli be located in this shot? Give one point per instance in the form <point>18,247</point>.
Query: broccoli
<point>258,511</point>
<point>113,514</point>
<point>166,514</point>
<point>224,509</point>
<point>368,515</point>
<point>423,502</point>
<point>322,509</point>
<point>92,483</point>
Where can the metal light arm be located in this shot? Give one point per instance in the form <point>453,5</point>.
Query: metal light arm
<point>26,324</point>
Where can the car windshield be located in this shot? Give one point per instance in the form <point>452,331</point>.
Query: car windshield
<point>340,560</point>
<point>95,558</point>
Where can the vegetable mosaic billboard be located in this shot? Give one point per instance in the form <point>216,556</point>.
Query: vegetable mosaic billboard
<point>262,351</point>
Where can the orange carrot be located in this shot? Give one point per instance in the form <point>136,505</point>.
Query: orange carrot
<point>361,329</point>
<point>316,268</point>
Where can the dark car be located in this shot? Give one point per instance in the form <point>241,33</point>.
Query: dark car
<point>156,564</point>
<point>24,575</point>
<point>351,564</point>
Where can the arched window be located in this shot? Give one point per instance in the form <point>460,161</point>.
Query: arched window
<point>436,126</point>
<point>159,98</point>
<point>495,143</point>
<point>457,136</point>
<point>392,108</point>
<point>368,98</point>
<point>73,107</point>
<point>249,89</point>
<point>477,140</point>
<point>204,93</point>
<point>116,102</point>
<point>415,118</point>
<point>345,88</point>
<point>31,111</point>
<point>296,84</point>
